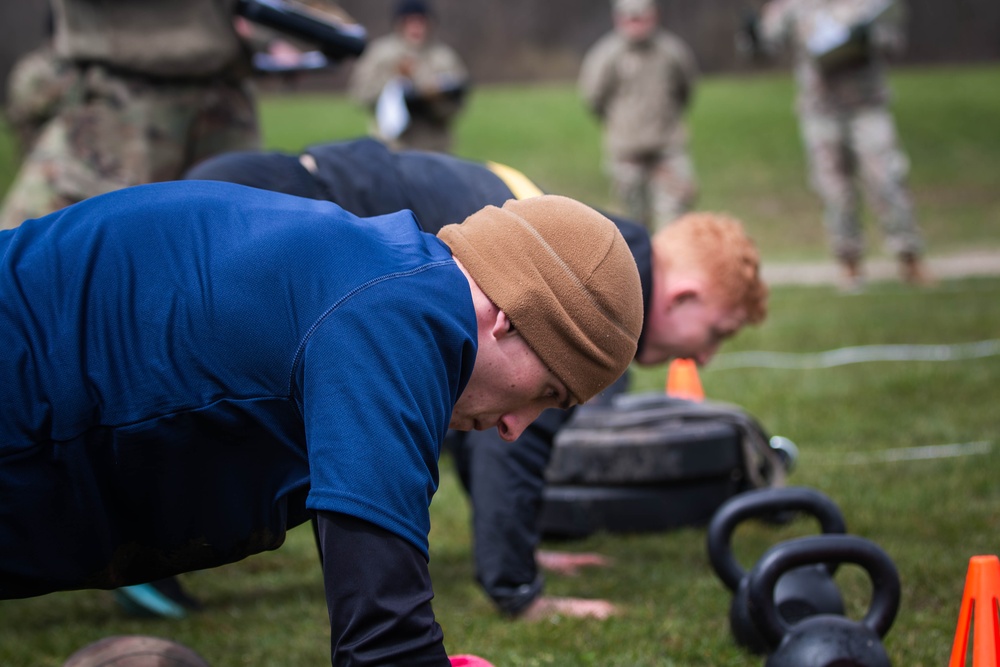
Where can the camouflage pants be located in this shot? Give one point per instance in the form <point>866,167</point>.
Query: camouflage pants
<point>858,150</point>
<point>114,131</point>
<point>654,189</point>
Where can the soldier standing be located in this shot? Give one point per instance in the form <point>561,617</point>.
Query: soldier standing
<point>420,74</point>
<point>638,80</point>
<point>158,86</point>
<point>840,47</point>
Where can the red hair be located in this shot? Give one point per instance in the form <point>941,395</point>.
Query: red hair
<point>718,247</point>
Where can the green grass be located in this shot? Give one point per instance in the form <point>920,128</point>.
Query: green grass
<point>930,516</point>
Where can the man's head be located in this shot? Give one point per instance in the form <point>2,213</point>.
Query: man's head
<point>412,19</point>
<point>706,287</point>
<point>635,20</point>
<point>560,309</point>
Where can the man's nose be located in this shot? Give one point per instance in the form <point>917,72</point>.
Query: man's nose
<point>512,425</point>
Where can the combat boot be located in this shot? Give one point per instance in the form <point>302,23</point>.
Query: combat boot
<point>913,271</point>
<point>851,279</point>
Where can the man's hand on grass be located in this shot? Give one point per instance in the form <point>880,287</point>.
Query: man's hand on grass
<point>548,607</point>
<point>569,564</point>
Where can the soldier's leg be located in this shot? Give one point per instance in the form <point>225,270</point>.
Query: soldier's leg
<point>884,168</point>
<point>172,125</point>
<point>226,121</point>
<point>33,192</point>
<point>168,112</point>
<point>831,170</point>
<point>126,131</point>
<point>630,183</point>
<point>101,141</point>
<point>672,188</point>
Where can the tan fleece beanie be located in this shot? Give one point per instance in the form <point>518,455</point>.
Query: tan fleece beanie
<point>566,279</point>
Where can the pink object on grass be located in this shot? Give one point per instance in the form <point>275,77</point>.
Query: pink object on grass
<point>468,661</point>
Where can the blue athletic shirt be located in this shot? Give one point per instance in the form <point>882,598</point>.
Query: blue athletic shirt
<point>186,367</point>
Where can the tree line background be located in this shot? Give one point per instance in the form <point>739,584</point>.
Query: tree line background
<point>531,40</point>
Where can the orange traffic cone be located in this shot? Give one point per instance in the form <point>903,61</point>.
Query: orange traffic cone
<point>683,381</point>
<point>982,588</point>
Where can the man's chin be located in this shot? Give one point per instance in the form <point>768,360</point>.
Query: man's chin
<point>463,425</point>
<point>470,424</point>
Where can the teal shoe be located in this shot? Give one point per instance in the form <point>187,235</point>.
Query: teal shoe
<point>145,600</point>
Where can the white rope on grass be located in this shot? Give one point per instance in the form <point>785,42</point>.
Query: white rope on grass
<point>855,355</point>
<point>905,454</point>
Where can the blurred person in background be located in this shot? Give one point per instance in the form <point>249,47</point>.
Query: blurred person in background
<point>639,80</point>
<point>840,48</point>
<point>157,87</point>
<point>134,93</point>
<point>414,84</point>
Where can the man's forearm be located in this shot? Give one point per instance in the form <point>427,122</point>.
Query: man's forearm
<point>378,593</point>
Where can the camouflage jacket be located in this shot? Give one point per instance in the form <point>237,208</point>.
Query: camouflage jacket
<point>161,38</point>
<point>839,48</point>
<point>431,67</point>
<point>435,78</point>
<point>638,90</point>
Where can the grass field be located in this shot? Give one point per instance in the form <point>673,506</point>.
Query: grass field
<point>929,515</point>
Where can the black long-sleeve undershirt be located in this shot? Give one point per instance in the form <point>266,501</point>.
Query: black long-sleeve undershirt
<point>378,592</point>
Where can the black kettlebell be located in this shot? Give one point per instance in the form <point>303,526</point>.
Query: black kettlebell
<point>801,592</point>
<point>825,640</point>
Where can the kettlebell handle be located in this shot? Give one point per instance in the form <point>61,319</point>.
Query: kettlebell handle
<point>756,503</point>
<point>791,554</point>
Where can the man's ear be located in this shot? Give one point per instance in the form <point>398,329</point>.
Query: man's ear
<point>502,326</point>
<point>684,291</point>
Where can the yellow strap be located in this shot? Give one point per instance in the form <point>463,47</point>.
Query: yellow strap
<point>520,185</point>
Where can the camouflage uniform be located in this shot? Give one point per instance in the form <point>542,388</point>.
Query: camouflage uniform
<point>846,126</point>
<point>640,91</point>
<point>430,67</point>
<point>157,87</point>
